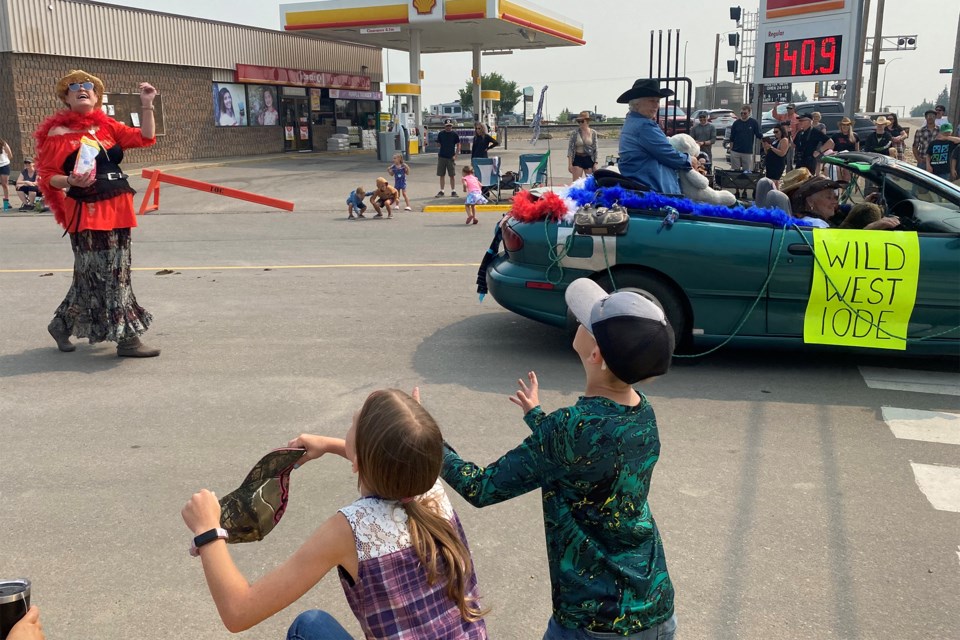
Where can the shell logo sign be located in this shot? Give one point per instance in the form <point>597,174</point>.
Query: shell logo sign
<point>424,7</point>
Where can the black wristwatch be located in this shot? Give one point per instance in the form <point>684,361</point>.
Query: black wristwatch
<point>206,538</point>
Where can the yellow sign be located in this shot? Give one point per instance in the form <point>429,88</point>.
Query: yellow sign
<point>864,288</point>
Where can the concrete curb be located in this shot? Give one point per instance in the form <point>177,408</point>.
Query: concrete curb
<point>453,208</point>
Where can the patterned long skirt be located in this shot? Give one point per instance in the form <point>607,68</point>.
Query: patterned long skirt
<point>100,305</point>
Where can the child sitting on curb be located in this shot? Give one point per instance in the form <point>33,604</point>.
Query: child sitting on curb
<point>384,196</point>
<point>355,201</point>
<point>594,463</point>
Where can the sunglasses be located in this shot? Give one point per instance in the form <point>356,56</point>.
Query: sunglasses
<point>76,86</point>
<point>580,120</point>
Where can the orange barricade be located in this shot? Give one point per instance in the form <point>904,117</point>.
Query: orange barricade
<point>156,177</point>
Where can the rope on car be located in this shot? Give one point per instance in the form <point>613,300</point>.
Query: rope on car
<point>556,256</point>
<point>746,316</point>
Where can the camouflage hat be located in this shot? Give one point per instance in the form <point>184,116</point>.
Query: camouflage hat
<point>252,511</point>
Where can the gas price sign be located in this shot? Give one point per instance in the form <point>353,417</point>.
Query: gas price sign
<point>803,57</point>
<point>804,40</point>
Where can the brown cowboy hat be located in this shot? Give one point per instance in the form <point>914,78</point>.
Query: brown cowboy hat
<point>881,121</point>
<point>584,115</point>
<point>644,88</point>
<point>846,120</point>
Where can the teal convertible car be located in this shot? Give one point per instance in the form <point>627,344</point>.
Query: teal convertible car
<point>752,276</point>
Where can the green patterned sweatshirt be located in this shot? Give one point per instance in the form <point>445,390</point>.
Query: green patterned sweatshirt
<point>594,462</point>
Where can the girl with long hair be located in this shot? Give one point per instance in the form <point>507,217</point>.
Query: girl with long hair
<point>899,135</point>
<point>776,150</point>
<point>228,118</point>
<point>401,554</point>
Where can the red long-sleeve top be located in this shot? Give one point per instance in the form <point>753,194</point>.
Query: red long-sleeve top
<point>58,137</point>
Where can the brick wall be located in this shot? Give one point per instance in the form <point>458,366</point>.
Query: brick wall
<point>27,96</point>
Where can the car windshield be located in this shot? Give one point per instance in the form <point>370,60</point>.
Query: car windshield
<point>909,181</point>
<point>916,185</point>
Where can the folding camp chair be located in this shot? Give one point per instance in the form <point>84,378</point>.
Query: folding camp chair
<point>533,170</point>
<point>487,171</point>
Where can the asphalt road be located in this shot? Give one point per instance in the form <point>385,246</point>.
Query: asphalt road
<point>788,507</point>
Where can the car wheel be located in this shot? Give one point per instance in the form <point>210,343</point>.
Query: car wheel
<point>661,293</point>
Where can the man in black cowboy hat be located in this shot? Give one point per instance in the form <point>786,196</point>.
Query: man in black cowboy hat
<point>645,153</point>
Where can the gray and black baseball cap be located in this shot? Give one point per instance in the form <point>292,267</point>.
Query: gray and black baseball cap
<point>632,333</point>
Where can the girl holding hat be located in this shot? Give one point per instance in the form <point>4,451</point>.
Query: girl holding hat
<point>582,148</point>
<point>94,203</point>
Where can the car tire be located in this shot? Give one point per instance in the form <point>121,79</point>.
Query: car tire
<point>661,293</point>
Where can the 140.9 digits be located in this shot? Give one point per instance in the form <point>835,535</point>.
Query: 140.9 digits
<point>819,56</point>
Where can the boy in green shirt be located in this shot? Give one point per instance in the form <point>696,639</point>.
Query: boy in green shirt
<point>594,462</point>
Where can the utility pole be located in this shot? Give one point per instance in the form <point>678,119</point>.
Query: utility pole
<point>857,80</point>
<point>875,59</point>
<point>716,63</point>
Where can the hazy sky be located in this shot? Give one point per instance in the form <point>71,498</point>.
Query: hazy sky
<point>617,52</point>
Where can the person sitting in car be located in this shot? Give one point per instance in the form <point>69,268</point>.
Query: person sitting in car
<point>645,153</point>
<point>814,200</point>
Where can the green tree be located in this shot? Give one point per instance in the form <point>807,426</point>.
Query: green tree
<point>509,93</point>
<point>917,111</point>
<point>564,115</point>
<point>944,98</point>
<point>798,96</point>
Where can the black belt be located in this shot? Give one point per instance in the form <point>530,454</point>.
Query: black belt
<point>112,176</point>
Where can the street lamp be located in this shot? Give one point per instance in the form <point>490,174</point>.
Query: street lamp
<point>883,86</point>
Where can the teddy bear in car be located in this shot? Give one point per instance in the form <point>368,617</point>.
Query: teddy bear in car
<point>694,185</point>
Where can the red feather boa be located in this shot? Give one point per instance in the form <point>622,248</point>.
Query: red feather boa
<point>526,209</point>
<point>73,121</point>
<point>96,119</point>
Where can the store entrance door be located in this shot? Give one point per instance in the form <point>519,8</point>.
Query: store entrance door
<point>295,121</point>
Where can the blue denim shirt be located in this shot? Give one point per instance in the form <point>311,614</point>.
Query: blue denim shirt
<point>646,155</point>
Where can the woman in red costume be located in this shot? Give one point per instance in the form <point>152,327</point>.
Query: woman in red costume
<point>96,208</point>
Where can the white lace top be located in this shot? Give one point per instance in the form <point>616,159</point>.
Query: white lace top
<point>391,597</point>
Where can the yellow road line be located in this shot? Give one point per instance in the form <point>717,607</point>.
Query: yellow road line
<point>454,208</point>
<point>272,267</point>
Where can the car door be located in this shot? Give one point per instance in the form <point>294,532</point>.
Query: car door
<point>937,306</point>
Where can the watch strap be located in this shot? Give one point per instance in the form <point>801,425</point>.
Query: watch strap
<point>206,538</point>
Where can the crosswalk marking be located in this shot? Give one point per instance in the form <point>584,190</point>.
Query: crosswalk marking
<point>941,485</point>
<point>928,426</point>
<point>940,382</point>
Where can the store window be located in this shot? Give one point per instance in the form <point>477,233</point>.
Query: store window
<point>346,111</point>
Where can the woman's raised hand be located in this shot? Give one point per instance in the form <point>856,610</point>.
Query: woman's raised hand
<point>147,94</point>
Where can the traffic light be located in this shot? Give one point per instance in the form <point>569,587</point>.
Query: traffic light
<point>732,66</point>
<point>735,14</point>
<point>733,39</point>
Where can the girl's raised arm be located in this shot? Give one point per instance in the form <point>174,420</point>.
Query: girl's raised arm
<point>242,605</point>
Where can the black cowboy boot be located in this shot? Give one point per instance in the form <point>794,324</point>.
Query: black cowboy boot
<point>58,329</point>
<point>133,348</point>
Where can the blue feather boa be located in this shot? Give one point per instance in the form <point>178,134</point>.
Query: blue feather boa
<point>648,200</point>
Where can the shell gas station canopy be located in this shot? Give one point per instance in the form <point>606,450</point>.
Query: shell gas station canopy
<point>435,26</point>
